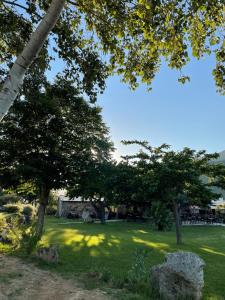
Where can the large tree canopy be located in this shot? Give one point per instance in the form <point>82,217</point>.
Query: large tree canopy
<point>77,53</point>
<point>135,35</point>
<point>50,137</point>
<point>169,176</point>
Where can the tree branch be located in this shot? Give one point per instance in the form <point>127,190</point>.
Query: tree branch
<point>14,3</point>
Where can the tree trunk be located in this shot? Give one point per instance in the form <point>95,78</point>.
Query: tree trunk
<point>44,195</point>
<point>102,213</point>
<point>100,208</point>
<point>14,81</point>
<point>177,223</point>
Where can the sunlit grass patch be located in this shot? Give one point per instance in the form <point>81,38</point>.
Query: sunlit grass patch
<point>109,249</point>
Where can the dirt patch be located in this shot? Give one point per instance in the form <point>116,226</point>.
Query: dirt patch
<point>23,281</point>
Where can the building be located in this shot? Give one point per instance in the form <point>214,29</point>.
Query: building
<point>74,207</point>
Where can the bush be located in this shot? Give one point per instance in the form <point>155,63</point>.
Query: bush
<point>12,208</point>
<point>4,230</point>
<point>17,234</point>
<point>3,222</point>
<point>28,212</point>
<point>4,199</point>
<point>51,210</point>
<point>161,216</point>
<point>10,230</point>
<point>29,239</point>
<point>138,275</point>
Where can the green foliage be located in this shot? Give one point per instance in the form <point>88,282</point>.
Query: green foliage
<point>138,275</point>
<point>29,240</point>
<point>167,178</point>
<point>3,222</point>
<point>51,210</point>
<point>135,36</point>
<point>82,62</point>
<point>52,199</point>
<point>112,247</point>
<point>29,212</point>
<point>161,216</point>
<point>172,176</point>
<point>58,134</point>
<point>20,236</point>
<point>5,198</point>
<point>138,34</point>
<point>27,190</point>
<point>10,230</point>
<point>97,184</point>
<point>13,208</point>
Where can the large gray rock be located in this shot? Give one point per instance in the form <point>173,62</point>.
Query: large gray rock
<point>180,277</point>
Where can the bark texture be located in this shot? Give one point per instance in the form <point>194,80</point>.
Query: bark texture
<point>13,83</point>
<point>177,223</point>
<point>41,211</point>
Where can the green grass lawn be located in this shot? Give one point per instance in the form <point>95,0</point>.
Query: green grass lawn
<point>87,247</point>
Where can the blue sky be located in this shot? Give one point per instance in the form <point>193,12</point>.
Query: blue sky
<point>190,115</point>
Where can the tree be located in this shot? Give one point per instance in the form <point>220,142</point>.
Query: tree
<point>136,35</point>
<point>50,137</point>
<point>96,185</point>
<point>129,188</point>
<point>174,176</point>
<point>82,63</point>
<point>12,84</point>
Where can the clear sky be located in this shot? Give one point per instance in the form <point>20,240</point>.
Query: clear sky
<point>191,115</point>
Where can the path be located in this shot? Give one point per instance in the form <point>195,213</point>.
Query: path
<point>23,281</point>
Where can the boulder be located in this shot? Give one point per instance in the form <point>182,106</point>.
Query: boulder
<point>49,254</point>
<point>86,217</point>
<point>180,277</point>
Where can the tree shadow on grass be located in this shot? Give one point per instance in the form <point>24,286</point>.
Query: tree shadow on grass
<point>87,247</point>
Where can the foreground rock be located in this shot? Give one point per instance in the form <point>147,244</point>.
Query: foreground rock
<point>180,277</point>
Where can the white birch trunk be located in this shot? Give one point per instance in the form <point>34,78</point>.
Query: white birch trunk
<point>14,81</point>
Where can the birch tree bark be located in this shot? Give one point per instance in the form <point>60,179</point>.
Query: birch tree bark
<point>14,80</point>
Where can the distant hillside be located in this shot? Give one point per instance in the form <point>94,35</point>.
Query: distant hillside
<point>221,158</point>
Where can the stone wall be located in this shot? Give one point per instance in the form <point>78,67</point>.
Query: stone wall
<point>75,207</point>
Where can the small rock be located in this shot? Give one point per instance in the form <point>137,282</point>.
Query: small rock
<point>86,217</point>
<point>49,254</point>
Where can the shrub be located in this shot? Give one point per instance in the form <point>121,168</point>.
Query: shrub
<point>3,222</point>
<point>29,239</point>
<point>161,216</point>
<point>138,275</point>
<point>4,199</point>
<point>17,234</point>
<point>105,275</point>
<point>51,210</point>
<point>28,212</point>
<point>12,208</point>
<point>10,230</point>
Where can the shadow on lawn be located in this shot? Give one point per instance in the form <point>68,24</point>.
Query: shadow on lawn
<point>106,243</point>
<point>87,247</point>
